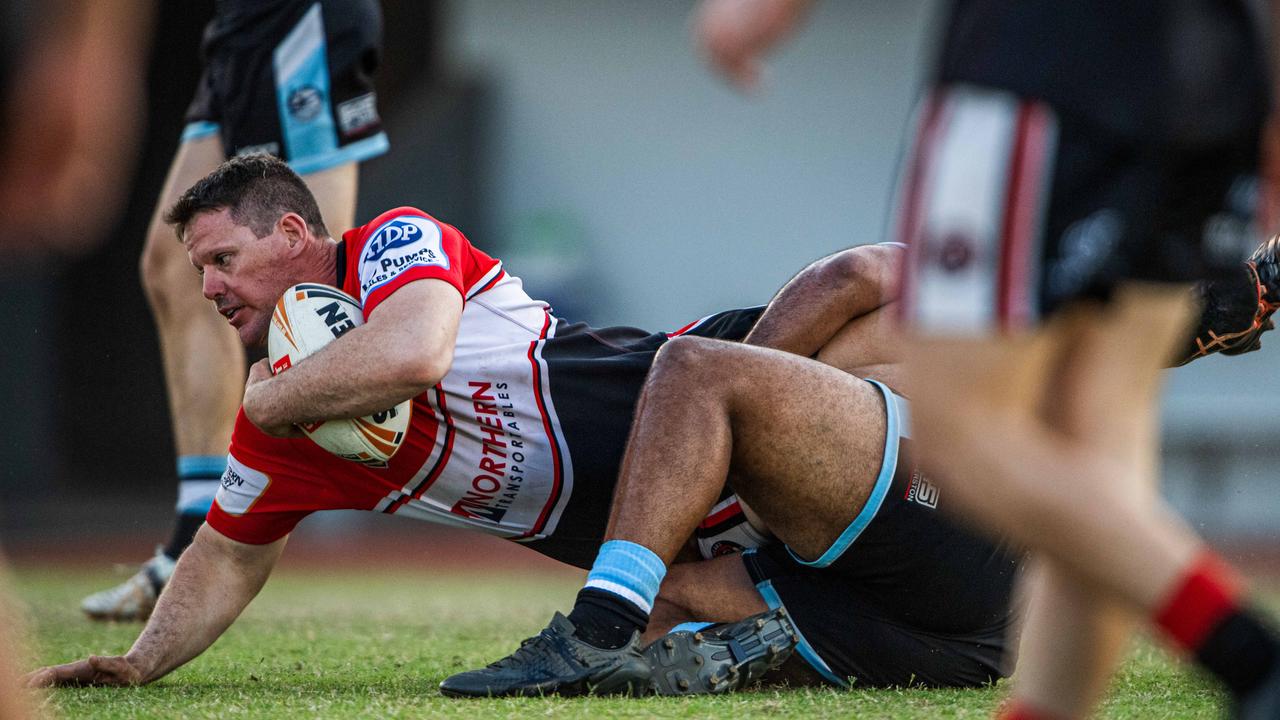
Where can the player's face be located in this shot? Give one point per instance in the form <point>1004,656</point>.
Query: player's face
<point>242,274</point>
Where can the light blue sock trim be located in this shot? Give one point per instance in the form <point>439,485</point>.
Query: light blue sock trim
<point>692,627</point>
<point>196,496</point>
<point>893,432</point>
<point>771,598</point>
<point>201,466</point>
<point>199,129</point>
<point>357,151</point>
<point>199,477</point>
<point>628,570</point>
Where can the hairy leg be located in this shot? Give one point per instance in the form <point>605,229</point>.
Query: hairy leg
<point>1075,468</point>
<point>203,360</point>
<point>716,590</point>
<point>335,190</point>
<point>804,441</point>
<point>834,310</point>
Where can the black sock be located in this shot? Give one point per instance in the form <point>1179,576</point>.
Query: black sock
<point>1241,651</point>
<point>184,531</point>
<point>604,619</point>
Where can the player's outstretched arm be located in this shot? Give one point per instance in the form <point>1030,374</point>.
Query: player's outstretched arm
<point>404,348</point>
<point>214,580</point>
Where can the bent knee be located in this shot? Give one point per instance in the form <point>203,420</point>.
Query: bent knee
<point>866,265</point>
<point>689,355</point>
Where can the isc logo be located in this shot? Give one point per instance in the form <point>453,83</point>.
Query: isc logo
<point>395,234</point>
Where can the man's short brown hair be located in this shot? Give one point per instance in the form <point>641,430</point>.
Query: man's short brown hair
<point>258,189</point>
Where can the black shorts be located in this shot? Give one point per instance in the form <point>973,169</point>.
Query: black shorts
<point>907,596</point>
<point>1069,147</point>
<point>294,79</point>
<point>596,376</point>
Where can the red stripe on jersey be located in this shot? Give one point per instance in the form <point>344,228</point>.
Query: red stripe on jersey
<point>546,426</point>
<point>501,274</point>
<point>1026,172</point>
<point>441,462</point>
<point>734,508</point>
<point>688,327</point>
<point>909,208</point>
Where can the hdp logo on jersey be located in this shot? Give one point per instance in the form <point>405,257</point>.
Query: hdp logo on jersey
<point>395,234</point>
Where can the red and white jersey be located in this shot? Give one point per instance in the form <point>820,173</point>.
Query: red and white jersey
<point>484,448</point>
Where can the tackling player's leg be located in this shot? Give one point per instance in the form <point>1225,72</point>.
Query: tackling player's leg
<point>332,50</point>
<point>1003,407</point>
<point>204,373</point>
<point>805,443</point>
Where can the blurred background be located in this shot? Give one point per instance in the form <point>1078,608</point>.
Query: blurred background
<point>587,145</point>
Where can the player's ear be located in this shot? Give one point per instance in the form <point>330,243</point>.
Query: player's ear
<point>293,227</point>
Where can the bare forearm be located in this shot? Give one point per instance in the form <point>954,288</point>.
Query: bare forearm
<point>350,378</point>
<point>405,347</point>
<point>209,589</point>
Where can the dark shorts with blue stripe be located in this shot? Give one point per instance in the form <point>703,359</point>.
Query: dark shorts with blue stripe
<point>294,79</point>
<point>914,599</point>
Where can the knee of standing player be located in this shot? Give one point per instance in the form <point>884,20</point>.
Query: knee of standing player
<point>164,267</point>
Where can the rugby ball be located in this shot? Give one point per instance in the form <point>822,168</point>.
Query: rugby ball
<point>308,317</point>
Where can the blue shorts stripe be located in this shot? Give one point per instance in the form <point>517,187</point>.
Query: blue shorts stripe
<point>303,93</point>
<point>803,647</point>
<point>355,152</point>
<point>198,130</point>
<point>892,434</point>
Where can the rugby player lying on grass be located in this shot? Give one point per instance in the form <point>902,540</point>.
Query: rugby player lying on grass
<point>520,419</point>
<point>447,326</point>
<point>872,577</point>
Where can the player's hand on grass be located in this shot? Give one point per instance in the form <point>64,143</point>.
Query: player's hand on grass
<point>259,373</point>
<point>735,34</point>
<point>95,670</point>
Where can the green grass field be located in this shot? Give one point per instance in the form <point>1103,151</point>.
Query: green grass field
<point>371,645</point>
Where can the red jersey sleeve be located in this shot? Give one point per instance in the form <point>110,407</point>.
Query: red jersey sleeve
<point>403,245</point>
<point>260,500</point>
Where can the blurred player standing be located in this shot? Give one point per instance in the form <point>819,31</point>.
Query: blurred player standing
<point>1073,165</point>
<point>293,78</point>
<point>79,63</point>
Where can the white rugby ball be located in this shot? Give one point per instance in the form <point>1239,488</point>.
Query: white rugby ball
<point>308,317</point>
